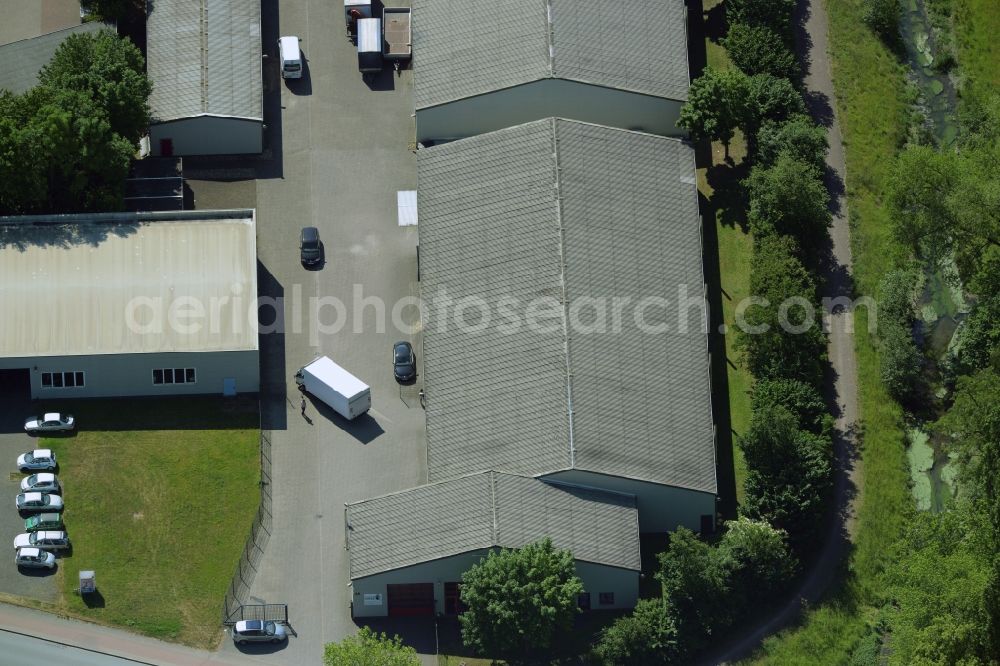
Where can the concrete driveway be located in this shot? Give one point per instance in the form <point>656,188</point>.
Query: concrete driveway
<point>345,151</point>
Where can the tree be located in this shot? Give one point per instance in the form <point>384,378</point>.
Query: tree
<point>716,105</point>
<point>648,635</point>
<point>896,298</point>
<point>917,200</point>
<point>979,338</point>
<point>770,98</point>
<point>756,49</point>
<point>790,198</point>
<point>799,137</point>
<point>882,16</point>
<point>757,559</point>
<point>799,398</point>
<point>113,10</point>
<point>774,14</point>
<point>788,477</point>
<point>367,648</point>
<point>778,336</point>
<point>518,600</point>
<point>899,363</point>
<point>110,70</point>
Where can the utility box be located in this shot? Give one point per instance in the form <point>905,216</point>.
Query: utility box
<point>88,582</point>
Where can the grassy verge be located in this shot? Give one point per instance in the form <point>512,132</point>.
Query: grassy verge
<point>159,499</point>
<point>873,110</point>
<point>977,23</point>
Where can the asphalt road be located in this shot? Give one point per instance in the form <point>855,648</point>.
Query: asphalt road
<point>344,149</point>
<point>21,649</point>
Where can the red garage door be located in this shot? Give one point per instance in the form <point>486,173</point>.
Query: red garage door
<point>410,600</point>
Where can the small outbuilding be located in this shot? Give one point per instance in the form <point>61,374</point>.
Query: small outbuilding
<point>204,59</point>
<point>408,550</point>
<point>480,65</point>
<point>129,304</point>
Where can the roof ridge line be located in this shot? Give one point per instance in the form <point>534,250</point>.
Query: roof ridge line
<point>548,38</point>
<point>493,498</point>
<point>562,283</point>
<point>204,55</point>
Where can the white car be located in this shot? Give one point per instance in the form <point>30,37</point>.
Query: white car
<point>51,422</point>
<point>37,459</point>
<point>43,482</point>
<point>54,540</point>
<point>33,558</point>
<point>257,631</point>
<point>38,502</point>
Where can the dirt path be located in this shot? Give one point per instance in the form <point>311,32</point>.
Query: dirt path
<point>842,384</point>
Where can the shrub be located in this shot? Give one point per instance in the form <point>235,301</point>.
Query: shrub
<point>760,50</point>
<point>882,16</point>
<point>798,137</point>
<point>791,198</point>
<point>895,299</point>
<point>801,399</point>
<point>646,636</point>
<point>773,14</point>
<point>900,361</point>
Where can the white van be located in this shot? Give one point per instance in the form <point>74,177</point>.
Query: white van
<point>291,58</point>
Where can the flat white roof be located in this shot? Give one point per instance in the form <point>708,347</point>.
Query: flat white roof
<point>105,284</point>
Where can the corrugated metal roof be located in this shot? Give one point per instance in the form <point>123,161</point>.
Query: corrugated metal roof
<point>464,48</point>
<point>565,210</point>
<point>67,287</point>
<point>204,57</point>
<point>486,510</point>
<point>20,62</point>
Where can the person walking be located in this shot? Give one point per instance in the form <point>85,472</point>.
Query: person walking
<point>303,405</point>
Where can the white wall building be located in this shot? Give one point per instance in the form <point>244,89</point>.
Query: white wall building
<point>126,304</point>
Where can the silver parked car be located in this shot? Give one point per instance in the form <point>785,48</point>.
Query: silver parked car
<point>33,558</point>
<point>37,459</point>
<point>46,540</point>
<point>43,482</point>
<point>38,502</point>
<point>50,422</point>
<point>257,631</point>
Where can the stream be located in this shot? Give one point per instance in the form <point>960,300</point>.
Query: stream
<point>942,305</point>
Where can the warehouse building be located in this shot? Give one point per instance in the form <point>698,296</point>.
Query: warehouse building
<point>408,550</point>
<point>204,59</point>
<point>552,219</point>
<point>125,304</point>
<point>480,65</point>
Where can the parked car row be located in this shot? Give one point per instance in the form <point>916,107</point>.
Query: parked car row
<point>41,496</point>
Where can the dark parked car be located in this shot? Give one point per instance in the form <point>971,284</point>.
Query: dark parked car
<point>310,247</point>
<point>404,362</point>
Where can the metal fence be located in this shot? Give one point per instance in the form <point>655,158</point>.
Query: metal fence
<point>253,549</point>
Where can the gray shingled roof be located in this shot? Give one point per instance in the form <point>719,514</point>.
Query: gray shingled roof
<point>563,210</point>
<point>464,48</point>
<point>204,58</point>
<point>20,62</point>
<point>487,510</point>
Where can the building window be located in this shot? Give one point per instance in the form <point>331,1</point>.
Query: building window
<point>583,601</point>
<point>606,598</point>
<point>174,376</point>
<point>71,379</point>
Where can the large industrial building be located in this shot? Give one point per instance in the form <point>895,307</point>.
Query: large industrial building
<point>482,65</point>
<point>204,59</point>
<point>409,549</point>
<point>125,304</point>
<point>565,346</point>
<point>567,218</point>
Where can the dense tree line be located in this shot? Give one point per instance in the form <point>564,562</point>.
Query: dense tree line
<point>66,144</point>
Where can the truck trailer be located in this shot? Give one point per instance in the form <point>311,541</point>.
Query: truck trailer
<point>343,392</point>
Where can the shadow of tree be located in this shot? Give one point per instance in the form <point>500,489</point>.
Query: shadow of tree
<point>729,201</point>
<point>42,231</point>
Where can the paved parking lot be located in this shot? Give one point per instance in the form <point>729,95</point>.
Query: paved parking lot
<point>39,585</point>
<point>345,150</point>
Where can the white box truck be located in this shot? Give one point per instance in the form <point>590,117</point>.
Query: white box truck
<point>343,392</point>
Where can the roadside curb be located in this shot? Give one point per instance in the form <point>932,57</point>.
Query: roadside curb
<point>77,647</point>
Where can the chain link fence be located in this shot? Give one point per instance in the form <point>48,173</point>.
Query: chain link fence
<point>253,549</point>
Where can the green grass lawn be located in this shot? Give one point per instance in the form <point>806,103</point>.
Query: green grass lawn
<point>873,110</point>
<point>977,24</point>
<point>161,514</point>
